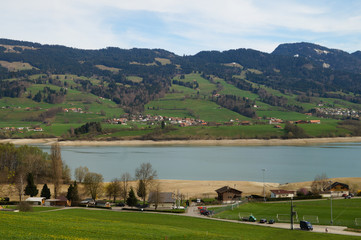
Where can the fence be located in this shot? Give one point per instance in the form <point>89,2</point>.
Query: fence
<point>229,207</point>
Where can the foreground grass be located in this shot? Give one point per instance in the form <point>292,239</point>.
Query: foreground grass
<point>86,224</point>
<point>344,211</point>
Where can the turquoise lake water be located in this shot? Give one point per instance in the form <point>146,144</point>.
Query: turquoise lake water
<point>282,163</point>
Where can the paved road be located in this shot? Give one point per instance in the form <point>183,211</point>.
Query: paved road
<point>193,212</point>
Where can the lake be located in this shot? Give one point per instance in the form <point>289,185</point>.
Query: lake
<point>242,163</point>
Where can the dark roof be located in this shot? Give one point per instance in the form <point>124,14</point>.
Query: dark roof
<point>164,197</point>
<point>333,185</point>
<point>281,191</point>
<point>227,189</point>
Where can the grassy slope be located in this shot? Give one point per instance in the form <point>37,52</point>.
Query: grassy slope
<point>344,210</point>
<point>85,224</point>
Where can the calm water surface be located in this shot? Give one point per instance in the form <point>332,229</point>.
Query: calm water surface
<point>282,163</point>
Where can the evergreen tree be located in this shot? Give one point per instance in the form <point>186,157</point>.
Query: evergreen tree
<point>45,192</point>
<point>69,194</point>
<point>131,200</point>
<point>142,190</point>
<point>73,194</point>
<point>31,189</point>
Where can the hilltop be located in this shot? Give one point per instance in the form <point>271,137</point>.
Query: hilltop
<point>51,91</point>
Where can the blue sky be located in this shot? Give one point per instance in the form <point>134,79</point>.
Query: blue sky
<point>183,27</point>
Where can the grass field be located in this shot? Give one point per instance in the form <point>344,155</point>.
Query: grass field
<point>344,210</point>
<point>87,224</point>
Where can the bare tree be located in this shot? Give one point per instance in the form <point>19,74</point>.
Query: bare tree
<point>112,189</point>
<point>320,184</point>
<point>80,173</point>
<point>93,183</point>
<point>57,167</point>
<point>125,178</point>
<point>145,174</point>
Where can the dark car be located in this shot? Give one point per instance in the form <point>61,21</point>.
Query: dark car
<point>120,204</point>
<point>262,220</point>
<point>271,221</point>
<point>304,225</point>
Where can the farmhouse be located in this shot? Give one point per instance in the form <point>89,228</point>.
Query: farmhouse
<point>228,195</point>
<point>282,193</point>
<point>162,199</point>
<point>337,189</point>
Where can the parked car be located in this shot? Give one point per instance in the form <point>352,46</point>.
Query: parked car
<point>120,204</point>
<point>304,225</point>
<point>271,221</point>
<point>262,220</point>
<point>87,202</point>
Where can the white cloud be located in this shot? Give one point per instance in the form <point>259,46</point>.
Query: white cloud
<point>189,26</point>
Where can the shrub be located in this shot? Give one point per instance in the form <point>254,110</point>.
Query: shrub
<point>24,207</point>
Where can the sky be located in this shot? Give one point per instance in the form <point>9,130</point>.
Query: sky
<point>184,27</point>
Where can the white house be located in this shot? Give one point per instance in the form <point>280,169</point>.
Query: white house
<point>36,200</point>
<point>282,193</point>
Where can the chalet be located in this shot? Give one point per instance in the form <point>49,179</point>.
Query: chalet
<point>275,121</point>
<point>164,199</point>
<point>282,193</point>
<point>228,195</point>
<point>337,189</point>
<point>315,121</point>
<point>36,200</point>
<point>245,123</point>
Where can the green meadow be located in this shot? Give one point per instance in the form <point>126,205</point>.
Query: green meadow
<point>101,224</point>
<point>344,211</point>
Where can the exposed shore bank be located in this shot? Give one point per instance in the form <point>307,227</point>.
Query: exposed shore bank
<point>223,142</point>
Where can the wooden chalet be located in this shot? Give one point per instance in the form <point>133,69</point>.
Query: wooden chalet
<point>337,189</point>
<point>227,194</point>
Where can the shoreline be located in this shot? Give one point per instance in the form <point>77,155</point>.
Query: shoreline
<point>223,142</point>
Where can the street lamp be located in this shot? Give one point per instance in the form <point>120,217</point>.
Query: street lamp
<point>331,208</point>
<point>264,190</point>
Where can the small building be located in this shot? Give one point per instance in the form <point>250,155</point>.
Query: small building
<point>162,199</point>
<point>280,193</point>
<point>61,201</point>
<point>36,200</point>
<point>337,189</point>
<point>227,194</point>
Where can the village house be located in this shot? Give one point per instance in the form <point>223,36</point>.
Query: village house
<point>163,199</point>
<point>282,193</point>
<point>337,189</point>
<point>227,194</point>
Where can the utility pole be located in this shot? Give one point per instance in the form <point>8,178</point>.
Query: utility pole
<point>331,209</point>
<point>264,189</point>
<point>292,213</point>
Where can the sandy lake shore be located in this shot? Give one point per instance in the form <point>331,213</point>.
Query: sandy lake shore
<point>204,189</point>
<point>224,142</point>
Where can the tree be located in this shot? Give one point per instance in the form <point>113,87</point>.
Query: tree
<point>320,184</point>
<point>45,192</point>
<point>131,200</point>
<point>113,189</point>
<point>72,194</point>
<point>141,191</point>
<point>146,174</point>
<point>57,167</point>
<point>93,183</point>
<point>125,178</point>
<point>80,173</point>
<point>31,189</point>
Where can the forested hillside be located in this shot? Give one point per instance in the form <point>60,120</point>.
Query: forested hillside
<point>42,85</point>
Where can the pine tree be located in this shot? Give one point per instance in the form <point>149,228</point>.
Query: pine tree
<point>31,189</point>
<point>45,192</point>
<point>131,200</point>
